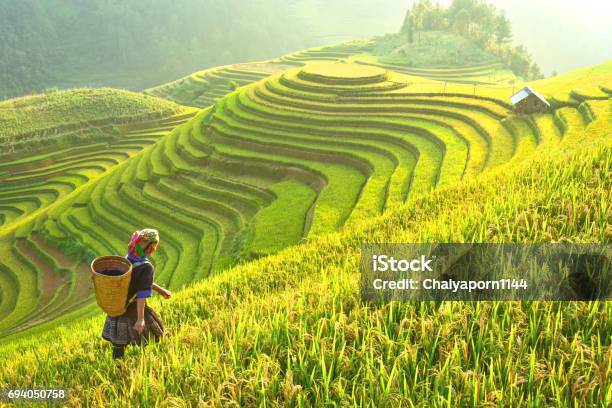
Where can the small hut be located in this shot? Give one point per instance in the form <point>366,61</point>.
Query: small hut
<point>529,101</point>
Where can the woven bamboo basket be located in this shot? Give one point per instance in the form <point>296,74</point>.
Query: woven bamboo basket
<point>111,291</point>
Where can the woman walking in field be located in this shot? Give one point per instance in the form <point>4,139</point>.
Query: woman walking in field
<point>139,323</point>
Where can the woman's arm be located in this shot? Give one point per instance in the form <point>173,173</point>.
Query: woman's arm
<point>140,307</point>
<point>162,291</point>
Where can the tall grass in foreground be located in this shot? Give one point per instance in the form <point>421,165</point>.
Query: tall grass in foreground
<point>290,329</point>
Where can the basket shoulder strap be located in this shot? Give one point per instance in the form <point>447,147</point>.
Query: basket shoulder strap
<point>129,300</point>
<point>137,264</point>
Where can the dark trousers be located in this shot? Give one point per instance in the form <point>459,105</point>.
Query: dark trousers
<point>118,350</point>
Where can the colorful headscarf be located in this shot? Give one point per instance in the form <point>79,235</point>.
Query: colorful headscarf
<point>139,242</point>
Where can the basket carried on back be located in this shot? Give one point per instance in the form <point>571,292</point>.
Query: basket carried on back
<point>111,277</point>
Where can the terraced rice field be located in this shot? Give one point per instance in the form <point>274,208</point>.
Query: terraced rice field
<point>44,272</point>
<point>478,74</point>
<point>379,138</point>
<point>204,88</point>
<point>334,53</point>
<point>73,116</point>
<point>33,181</point>
<point>326,145</point>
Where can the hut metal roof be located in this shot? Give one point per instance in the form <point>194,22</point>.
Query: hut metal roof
<point>524,93</point>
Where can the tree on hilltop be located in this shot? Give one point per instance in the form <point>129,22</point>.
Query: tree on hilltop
<point>503,30</point>
<point>407,27</point>
<point>406,23</point>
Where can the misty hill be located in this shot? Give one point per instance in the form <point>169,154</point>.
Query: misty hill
<point>135,44</point>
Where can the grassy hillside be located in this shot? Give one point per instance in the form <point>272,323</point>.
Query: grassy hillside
<point>571,88</point>
<point>431,49</point>
<point>290,330</point>
<point>31,121</point>
<point>439,56</point>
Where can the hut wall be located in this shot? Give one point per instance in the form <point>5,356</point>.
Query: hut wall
<point>530,104</point>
